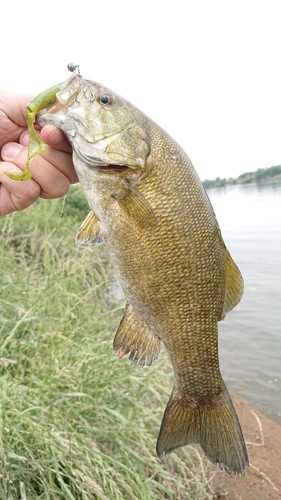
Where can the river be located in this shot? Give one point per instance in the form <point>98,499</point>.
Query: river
<point>250,336</point>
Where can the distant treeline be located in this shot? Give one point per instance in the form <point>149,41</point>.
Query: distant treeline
<point>260,175</point>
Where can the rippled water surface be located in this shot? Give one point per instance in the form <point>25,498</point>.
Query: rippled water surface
<point>250,336</point>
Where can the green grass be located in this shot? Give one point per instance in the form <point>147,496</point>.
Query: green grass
<point>75,421</point>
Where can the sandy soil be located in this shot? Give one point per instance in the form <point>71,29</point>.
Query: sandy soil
<point>263,478</point>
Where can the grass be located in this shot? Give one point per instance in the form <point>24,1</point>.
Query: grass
<point>75,421</point>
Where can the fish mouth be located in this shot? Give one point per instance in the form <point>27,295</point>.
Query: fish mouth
<point>120,169</point>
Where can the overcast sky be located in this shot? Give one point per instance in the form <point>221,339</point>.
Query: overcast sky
<point>207,71</point>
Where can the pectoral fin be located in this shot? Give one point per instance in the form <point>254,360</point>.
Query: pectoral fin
<point>134,338</point>
<point>135,206</point>
<point>234,285</point>
<point>89,231</point>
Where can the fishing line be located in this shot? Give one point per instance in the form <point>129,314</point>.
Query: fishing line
<point>59,223</point>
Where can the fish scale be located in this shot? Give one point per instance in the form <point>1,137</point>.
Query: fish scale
<point>150,209</point>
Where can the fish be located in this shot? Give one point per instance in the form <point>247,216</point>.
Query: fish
<point>149,208</point>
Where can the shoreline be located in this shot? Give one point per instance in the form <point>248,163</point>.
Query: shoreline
<point>217,183</point>
<point>263,439</point>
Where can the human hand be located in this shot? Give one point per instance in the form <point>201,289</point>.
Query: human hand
<point>52,171</point>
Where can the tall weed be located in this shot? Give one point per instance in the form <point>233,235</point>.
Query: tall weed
<point>76,422</point>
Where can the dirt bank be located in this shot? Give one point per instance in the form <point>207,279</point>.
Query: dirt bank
<point>263,477</point>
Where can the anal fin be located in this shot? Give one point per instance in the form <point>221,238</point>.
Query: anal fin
<point>134,338</point>
<point>89,231</point>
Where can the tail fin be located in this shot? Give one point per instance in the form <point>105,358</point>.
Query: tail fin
<point>215,426</point>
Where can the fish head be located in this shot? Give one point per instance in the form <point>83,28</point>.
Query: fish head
<point>101,126</point>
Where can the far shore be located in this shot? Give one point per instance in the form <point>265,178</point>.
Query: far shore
<point>271,174</point>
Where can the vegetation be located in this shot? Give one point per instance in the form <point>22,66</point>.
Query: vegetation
<point>260,175</point>
<point>75,421</point>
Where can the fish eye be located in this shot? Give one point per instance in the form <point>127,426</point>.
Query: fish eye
<point>106,99</point>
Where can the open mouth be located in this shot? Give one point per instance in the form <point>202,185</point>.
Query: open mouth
<point>114,168</point>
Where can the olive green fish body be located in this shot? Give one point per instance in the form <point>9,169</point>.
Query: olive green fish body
<point>150,209</point>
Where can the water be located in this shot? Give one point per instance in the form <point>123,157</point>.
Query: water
<point>250,336</point>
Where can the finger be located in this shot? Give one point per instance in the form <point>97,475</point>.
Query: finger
<point>50,177</point>
<point>51,135</point>
<point>62,161</point>
<point>57,155</point>
<point>55,138</point>
<point>16,195</point>
<point>14,105</point>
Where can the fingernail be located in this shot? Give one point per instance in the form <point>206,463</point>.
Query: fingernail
<point>24,139</point>
<point>11,150</point>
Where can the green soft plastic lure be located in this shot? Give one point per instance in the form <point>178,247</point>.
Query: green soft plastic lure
<point>36,145</point>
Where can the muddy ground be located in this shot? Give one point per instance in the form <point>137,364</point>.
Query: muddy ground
<point>263,478</point>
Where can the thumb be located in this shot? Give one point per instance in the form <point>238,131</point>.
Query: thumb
<point>11,150</point>
<point>55,138</point>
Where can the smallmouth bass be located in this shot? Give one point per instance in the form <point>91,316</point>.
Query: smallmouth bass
<point>150,209</point>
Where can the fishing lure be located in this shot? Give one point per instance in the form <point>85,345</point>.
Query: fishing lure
<point>36,144</point>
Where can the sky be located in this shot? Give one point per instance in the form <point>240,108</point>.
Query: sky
<point>208,72</point>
